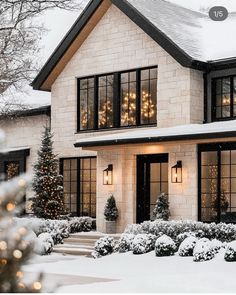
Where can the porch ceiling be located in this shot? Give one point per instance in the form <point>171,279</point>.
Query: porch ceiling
<point>148,135</point>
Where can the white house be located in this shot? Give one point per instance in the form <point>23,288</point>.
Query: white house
<point>144,102</point>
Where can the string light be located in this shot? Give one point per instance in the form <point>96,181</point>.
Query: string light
<point>10,207</point>
<point>128,114</point>
<point>17,254</point>
<point>3,245</point>
<point>37,286</point>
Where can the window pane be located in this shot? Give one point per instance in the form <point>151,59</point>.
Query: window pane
<point>105,97</point>
<point>86,104</point>
<point>226,85</point>
<point>83,110</point>
<point>128,99</point>
<point>148,97</point>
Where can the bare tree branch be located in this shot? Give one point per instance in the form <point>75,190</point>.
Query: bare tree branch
<point>19,39</point>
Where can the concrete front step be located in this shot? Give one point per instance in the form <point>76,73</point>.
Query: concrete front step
<point>76,246</point>
<point>80,243</point>
<point>73,251</point>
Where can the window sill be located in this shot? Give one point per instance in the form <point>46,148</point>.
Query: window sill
<point>222,119</point>
<point>116,129</point>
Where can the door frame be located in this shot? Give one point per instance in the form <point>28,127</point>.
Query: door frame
<point>217,147</point>
<point>141,160</point>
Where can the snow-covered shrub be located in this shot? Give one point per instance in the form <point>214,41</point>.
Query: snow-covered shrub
<point>204,250</point>
<point>43,244</point>
<point>58,229</point>
<point>181,237</point>
<point>230,253</point>
<point>136,229</point>
<point>165,246</point>
<point>125,243</point>
<point>221,231</point>
<point>217,245</point>
<point>81,224</point>
<point>103,247</point>
<point>187,246</point>
<point>143,243</point>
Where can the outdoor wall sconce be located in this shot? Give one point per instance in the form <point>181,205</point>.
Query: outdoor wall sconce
<point>108,175</point>
<point>176,173</point>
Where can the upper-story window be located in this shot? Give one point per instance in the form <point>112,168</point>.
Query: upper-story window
<point>224,98</point>
<point>122,99</point>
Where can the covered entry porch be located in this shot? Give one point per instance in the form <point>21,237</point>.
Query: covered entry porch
<point>136,183</point>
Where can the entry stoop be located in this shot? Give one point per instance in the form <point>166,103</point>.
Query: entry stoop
<point>81,243</point>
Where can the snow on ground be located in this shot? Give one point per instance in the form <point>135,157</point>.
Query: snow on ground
<point>118,273</point>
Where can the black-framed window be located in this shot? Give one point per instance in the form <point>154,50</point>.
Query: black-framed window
<point>79,183</point>
<point>217,182</point>
<point>224,98</point>
<point>121,99</point>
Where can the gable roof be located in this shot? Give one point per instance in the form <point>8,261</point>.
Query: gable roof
<point>186,35</point>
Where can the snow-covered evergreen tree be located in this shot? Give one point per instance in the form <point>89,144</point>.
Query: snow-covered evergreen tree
<point>111,211</point>
<point>161,210</point>
<point>14,248</point>
<point>47,183</point>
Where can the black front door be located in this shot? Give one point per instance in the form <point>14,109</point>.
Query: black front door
<point>152,179</point>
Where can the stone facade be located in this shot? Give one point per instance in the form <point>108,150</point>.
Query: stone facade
<point>117,44</point>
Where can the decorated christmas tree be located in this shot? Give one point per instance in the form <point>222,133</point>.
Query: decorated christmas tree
<point>111,211</point>
<point>161,210</point>
<point>47,183</point>
<point>14,248</point>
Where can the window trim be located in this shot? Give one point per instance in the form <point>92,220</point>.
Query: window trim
<point>116,100</point>
<point>213,99</point>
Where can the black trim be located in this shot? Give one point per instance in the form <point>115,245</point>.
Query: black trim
<point>157,139</point>
<point>65,43</point>
<point>162,39</point>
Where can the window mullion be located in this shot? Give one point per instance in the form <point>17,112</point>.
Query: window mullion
<point>96,107</point>
<point>231,97</point>
<point>116,100</point>
<point>138,99</point>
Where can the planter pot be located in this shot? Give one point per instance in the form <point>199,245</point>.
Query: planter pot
<point>110,227</point>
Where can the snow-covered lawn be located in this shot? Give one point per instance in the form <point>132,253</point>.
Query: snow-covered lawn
<point>134,273</point>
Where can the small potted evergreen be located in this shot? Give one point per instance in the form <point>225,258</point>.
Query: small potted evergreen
<point>111,215</point>
<point>161,210</point>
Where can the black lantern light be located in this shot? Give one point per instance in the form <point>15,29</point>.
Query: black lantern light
<point>108,175</point>
<point>176,173</point>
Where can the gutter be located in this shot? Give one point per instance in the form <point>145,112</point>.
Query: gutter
<point>157,139</point>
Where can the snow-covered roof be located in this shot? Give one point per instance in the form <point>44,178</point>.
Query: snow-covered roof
<point>194,32</point>
<point>14,149</point>
<point>222,129</point>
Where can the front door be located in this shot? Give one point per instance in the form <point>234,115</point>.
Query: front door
<point>152,179</point>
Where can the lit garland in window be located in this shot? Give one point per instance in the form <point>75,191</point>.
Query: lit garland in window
<point>128,115</point>
<point>12,170</point>
<point>106,115</point>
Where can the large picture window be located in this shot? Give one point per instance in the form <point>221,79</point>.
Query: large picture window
<point>79,183</point>
<point>224,98</point>
<point>217,182</point>
<point>122,99</point>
